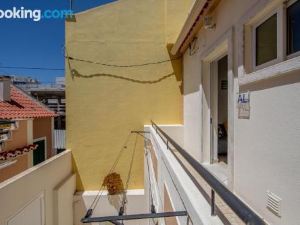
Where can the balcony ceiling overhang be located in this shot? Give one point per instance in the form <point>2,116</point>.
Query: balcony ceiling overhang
<point>193,23</point>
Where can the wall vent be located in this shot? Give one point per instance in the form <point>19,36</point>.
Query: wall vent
<point>274,203</point>
<point>224,85</point>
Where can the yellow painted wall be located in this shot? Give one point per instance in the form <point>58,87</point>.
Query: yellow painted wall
<point>102,110</point>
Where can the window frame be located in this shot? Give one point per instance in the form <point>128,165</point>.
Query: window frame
<point>281,11</point>
<point>255,67</point>
<point>295,54</point>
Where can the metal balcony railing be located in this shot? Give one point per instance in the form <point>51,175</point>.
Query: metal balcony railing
<point>247,215</point>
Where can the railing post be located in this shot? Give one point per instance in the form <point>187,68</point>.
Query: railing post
<point>212,203</point>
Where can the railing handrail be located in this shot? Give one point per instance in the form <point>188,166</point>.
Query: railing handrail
<point>240,208</point>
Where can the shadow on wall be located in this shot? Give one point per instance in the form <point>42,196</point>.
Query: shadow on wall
<point>176,61</point>
<point>75,73</point>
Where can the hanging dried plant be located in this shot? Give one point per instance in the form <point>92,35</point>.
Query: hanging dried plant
<point>114,184</point>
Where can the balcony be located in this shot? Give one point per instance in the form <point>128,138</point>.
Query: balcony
<point>178,182</point>
<point>40,195</point>
<point>174,183</point>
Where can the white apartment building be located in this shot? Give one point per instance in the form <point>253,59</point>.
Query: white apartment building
<point>241,100</point>
<point>234,159</point>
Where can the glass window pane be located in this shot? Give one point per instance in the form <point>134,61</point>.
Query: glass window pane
<point>266,41</point>
<point>293,28</point>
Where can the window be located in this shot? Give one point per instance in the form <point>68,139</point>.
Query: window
<point>272,35</point>
<point>293,28</point>
<point>266,41</point>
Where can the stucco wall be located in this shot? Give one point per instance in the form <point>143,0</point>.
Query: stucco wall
<point>101,111</point>
<point>267,156</point>
<point>19,137</point>
<point>37,182</point>
<point>192,105</point>
<point>20,165</point>
<point>42,127</point>
<point>265,147</point>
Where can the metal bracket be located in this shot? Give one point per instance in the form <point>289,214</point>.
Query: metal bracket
<point>139,132</point>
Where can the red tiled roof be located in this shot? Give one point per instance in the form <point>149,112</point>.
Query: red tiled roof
<point>23,106</point>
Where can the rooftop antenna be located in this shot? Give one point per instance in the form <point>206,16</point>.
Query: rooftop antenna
<point>71,4</point>
<point>71,16</point>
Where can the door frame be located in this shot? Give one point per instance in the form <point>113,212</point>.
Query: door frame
<point>45,140</point>
<point>224,45</point>
<point>210,72</point>
<point>214,107</point>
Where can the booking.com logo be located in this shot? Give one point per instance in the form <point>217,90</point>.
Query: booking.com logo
<point>36,14</point>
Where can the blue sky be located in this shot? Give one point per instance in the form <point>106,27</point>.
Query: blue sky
<point>26,43</point>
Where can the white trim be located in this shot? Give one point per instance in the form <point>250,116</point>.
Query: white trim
<point>30,141</point>
<point>29,131</point>
<point>7,164</point>
<point>81,194</point>
<point>214,92</point>
<point>293,55</point>
<point>270,72</point>
<point>53,150</point>
<point>43,139</point>
<point>225,46</point>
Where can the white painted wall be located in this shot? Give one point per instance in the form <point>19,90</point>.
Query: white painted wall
<point>268,156</point>
<point>109,205</point>
<point>63,199</point>
<point>265,149</point>
<point>192,105</point>
<point>175,132</point>
<point>28,198</point>
<point>26,215</point>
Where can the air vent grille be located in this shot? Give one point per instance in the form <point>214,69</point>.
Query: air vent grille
<point>224,85</point>
<point>274,203</point>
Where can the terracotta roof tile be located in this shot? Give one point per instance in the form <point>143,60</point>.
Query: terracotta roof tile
<point>23,106</point>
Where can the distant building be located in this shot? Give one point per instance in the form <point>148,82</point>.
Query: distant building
<point>26,131</point>
<point>53,96</point>
<point>24,82</point>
